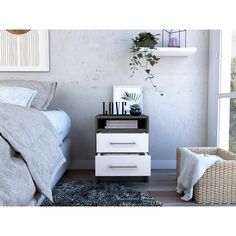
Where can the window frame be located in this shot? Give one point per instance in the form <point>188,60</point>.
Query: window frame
<point>219,67</point>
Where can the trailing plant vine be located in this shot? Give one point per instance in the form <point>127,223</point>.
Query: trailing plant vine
<point>143,56</point>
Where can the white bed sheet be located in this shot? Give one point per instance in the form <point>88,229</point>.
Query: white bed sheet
<point>61,122</point>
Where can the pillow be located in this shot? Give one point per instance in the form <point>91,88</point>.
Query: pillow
<point>17,95</point>
<point>45,91</point>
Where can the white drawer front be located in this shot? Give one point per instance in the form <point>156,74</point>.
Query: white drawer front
<point>122,165</point>
<point>125,142</point>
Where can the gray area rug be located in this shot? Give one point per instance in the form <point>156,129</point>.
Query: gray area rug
<point>89,193</point>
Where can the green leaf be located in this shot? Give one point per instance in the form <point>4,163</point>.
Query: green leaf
<point>140,55</point>
<point>131,96</point>
<point>152,63</point>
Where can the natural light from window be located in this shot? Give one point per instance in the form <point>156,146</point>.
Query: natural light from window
<point>227,95</point>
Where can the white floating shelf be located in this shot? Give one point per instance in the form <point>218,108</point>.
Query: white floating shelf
<point>171,52</point>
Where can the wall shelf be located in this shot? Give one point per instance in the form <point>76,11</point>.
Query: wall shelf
<point>172,52</point>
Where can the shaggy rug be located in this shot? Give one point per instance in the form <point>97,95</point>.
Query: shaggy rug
<point>89,193</point>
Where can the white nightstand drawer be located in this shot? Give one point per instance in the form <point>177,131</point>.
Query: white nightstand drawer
<point>122,142</point>
<point>122,165</point>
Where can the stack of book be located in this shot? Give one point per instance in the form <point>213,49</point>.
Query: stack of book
<point>121,124</point>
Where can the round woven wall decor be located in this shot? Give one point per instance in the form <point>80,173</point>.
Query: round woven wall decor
<point>18,31</point>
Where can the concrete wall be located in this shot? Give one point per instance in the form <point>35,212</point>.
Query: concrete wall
<point>87,64</point>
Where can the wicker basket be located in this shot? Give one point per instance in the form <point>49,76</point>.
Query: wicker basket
<point>218,183</point>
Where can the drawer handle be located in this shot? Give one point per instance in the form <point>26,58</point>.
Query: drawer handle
<point>120,167</point>
<point>112,143</point>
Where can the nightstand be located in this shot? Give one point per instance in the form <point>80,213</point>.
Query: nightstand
<point>122,146</point>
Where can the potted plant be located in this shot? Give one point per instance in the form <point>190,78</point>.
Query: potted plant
<point>143,56</point>
<point>135,110</point>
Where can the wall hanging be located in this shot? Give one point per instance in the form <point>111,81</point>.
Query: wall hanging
<point>24,50</point>
<point>132,96</point>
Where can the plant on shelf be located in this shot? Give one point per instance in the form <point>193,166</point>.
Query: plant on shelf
<point>135,108</point>
<point>143,56</point>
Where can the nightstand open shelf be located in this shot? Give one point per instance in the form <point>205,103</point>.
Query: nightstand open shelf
<point>122,146</point>
<point>142,123</point>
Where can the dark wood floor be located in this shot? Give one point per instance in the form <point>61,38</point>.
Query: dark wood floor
<point>161,185</point>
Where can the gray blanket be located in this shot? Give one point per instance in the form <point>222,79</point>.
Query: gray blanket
<point>29,155</point>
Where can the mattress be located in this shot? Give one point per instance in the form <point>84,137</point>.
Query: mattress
<point>61,122</point>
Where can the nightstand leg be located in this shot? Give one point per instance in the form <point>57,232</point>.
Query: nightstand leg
<point>97,179</point>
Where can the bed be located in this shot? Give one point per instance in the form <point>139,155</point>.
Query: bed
<point>34,146</point>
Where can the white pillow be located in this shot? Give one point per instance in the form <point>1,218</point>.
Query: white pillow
<point>17,95</point>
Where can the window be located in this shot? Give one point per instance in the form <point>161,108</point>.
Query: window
<point>227,92</point>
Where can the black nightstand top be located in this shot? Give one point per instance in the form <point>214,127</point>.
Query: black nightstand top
<point>121,117</point>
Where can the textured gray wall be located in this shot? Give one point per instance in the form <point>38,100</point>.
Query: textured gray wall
<point>88,63</point>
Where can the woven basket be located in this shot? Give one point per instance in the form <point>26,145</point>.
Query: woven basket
<point>218,183</point>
